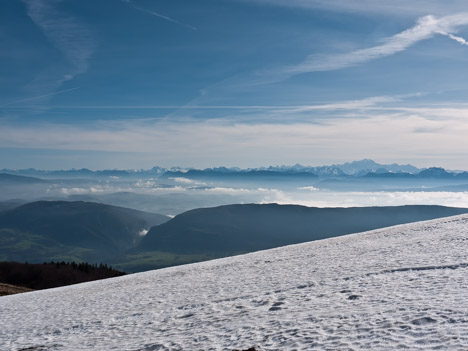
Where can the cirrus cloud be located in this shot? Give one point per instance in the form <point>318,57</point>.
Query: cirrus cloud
<point>425,28</point>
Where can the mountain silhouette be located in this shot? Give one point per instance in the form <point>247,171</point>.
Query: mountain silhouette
<point>242,228</point>
<point>80,230</point>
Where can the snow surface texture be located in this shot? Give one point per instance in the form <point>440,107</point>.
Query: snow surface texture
<point>403,287</point>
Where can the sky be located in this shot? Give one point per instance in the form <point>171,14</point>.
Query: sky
<point>246,83</point>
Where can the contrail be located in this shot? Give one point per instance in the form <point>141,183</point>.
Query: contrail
<point>40,97</point>
<point>457,39</point>
<point>425,28</point>
<point>167,18</point>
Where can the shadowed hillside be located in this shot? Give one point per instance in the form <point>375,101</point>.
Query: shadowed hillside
<point>8,205</point>
<point>91,232</point>
<point>82,231</point>
<point>243,228</point>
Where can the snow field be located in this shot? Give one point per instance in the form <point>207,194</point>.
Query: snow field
<point>403,287</point>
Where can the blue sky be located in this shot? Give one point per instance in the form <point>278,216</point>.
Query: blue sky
<point>201,83</point>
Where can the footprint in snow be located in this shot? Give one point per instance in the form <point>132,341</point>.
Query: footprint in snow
<point>423,321</point>
<point>276,306</point>
<point>353,297</point>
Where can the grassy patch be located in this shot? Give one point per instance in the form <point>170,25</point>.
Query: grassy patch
<point>16,245</point>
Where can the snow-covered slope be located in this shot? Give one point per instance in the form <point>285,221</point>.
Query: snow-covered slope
<point>404,287</point>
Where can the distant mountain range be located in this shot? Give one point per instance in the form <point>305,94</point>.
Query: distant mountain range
<point>366,169</point>
<point>433,172</point>
<point>350,168</point>
<point>356,168</point>
<point>230,175</point>
<point>366,166</point>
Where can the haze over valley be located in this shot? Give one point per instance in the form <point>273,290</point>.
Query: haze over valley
<point>173,191</point>
<point>139,220</point>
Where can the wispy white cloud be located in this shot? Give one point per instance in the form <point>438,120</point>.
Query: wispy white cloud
<point>382,7</point>
<point>187,181</point>
<point>371,107</point>
<point>68,35</point>
<point>238,191</point>
<point>426,28</point>
<point>310,188</point>
<point>249,114</point>
<point>157,14</point>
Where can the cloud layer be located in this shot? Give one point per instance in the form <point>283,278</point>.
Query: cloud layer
<point>398,132</point>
